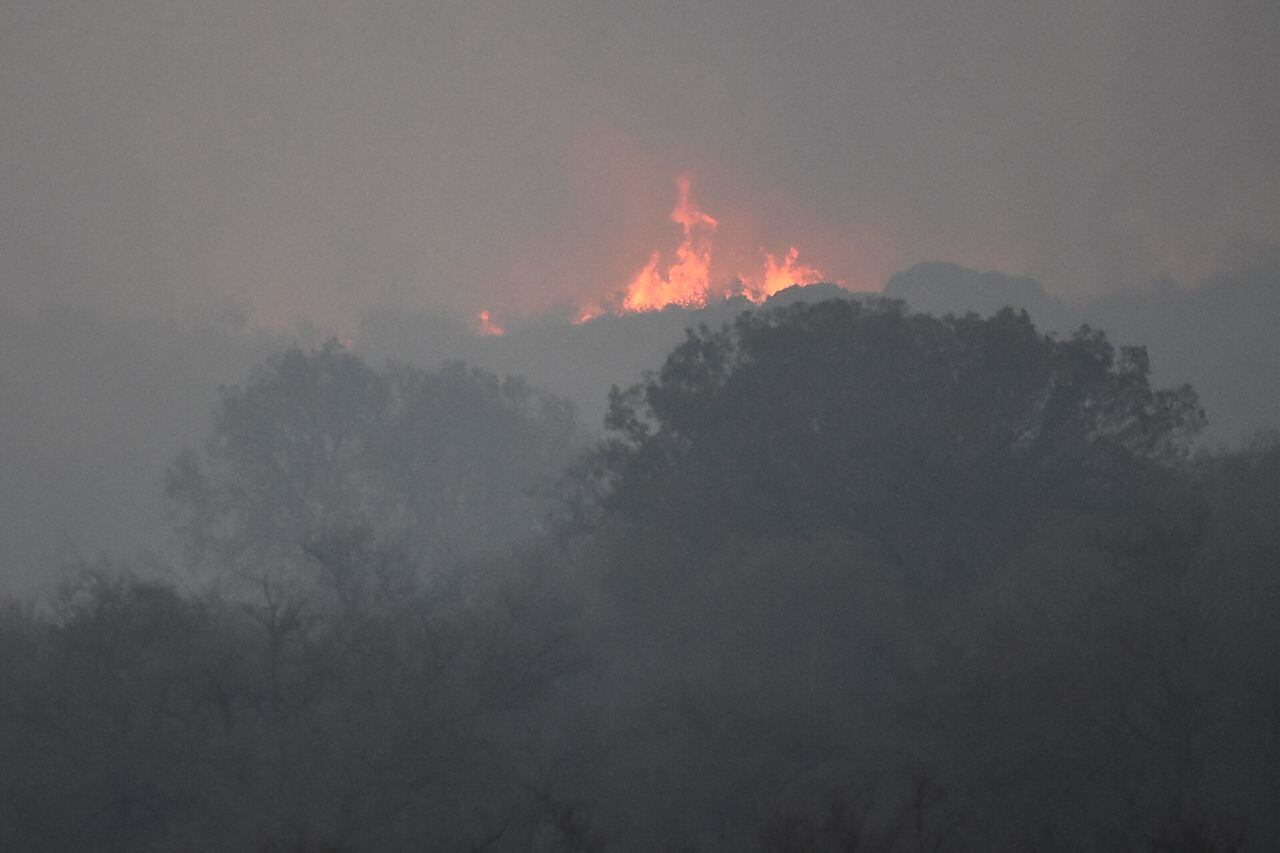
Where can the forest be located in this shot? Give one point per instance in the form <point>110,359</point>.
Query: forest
<point>839,575</point>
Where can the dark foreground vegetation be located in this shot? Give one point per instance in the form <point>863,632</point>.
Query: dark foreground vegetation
<point>843,578</point>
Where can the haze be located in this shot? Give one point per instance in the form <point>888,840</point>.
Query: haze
<point>617,426</point>
<point>318,158</point>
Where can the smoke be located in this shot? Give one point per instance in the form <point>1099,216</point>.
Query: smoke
<point>320,159</point>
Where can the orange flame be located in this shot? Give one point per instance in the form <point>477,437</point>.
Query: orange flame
<point>486,326</point>
<point>587,313</point>
<point>780,276</point>
<point>687,281</point>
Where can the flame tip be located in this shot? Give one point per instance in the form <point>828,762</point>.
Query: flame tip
<point>485,325</point>
<point>686,282</point>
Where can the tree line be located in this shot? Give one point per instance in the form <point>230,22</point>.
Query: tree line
<point>839,577</point>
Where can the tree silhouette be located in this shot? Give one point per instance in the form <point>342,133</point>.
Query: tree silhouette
<point>935,436</point>
<point>441,462</point>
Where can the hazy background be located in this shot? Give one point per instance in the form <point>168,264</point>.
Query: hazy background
<point>319,157</point>
<point>186,185</point>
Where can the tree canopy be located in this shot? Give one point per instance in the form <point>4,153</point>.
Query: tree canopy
<point>739,655</point>
<point>858,416</point>
<point>444,461</point>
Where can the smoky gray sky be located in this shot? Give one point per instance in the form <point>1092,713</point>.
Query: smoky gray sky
<point>320,157</point>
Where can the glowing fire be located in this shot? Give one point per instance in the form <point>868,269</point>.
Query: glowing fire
<point>588,312</point>
<point>486,326</point>
<point>780,276</point>
<point>687,281</point>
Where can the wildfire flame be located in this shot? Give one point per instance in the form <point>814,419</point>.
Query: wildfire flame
<point>486,326</point>
<point>687,281</point>
<point>588,312</point>
<point>780,276</point>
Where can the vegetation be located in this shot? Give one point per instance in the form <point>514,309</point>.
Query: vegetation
<point>841,578</point>
<point>941,439</point>
<point>448,464</point>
